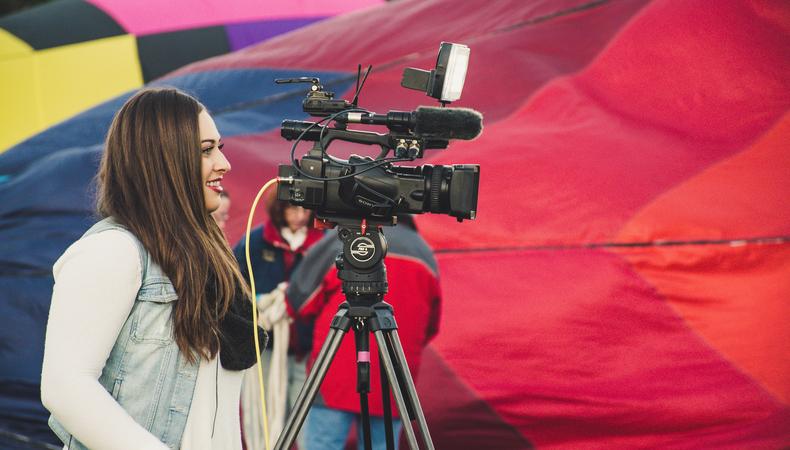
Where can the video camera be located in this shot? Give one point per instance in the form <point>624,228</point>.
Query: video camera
<point>375,189</point>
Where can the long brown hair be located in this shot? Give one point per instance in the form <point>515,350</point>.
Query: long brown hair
<point>150,181</point>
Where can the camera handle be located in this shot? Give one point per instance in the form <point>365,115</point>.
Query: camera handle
<point>364,280</point>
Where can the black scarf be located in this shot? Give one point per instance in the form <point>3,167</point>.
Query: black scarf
<point>237,342</point>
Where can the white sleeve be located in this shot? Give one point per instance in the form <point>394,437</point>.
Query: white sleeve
<point>96,283</point>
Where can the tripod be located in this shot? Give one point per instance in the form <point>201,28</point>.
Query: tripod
<point>361,269</point>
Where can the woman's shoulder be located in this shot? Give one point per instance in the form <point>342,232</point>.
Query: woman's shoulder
<point>111,249</point>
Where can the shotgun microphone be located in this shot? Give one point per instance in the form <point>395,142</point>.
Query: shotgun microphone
<point>425,121</point>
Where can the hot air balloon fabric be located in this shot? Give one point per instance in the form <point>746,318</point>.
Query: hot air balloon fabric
<point>626,283</point>
<point>65,56</point>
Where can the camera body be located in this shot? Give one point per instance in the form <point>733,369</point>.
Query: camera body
<point>380,192</point>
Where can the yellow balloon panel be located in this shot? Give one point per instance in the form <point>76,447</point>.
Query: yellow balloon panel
<point>11,45</point>
<point>20,109</point>
<point>44,87</point>
<point>78,76</point>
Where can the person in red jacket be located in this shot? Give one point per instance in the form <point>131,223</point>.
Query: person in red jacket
<point>314,296</point>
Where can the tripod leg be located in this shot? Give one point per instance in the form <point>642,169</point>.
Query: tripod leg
<point>385,401</point>
<point>310,388</point>
<point>386,361</point>
<point>363,379</point>
<point>405,375</point>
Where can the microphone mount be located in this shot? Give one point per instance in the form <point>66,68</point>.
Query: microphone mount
<point>405,145</point>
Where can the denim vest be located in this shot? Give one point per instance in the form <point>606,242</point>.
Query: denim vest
<point>145,372</point>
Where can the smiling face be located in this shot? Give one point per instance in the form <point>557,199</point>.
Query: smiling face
<point>214,165</point>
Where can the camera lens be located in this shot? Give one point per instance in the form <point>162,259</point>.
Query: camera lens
<point>453,189</point>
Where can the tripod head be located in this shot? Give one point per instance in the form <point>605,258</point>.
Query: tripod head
<point>361,264</point>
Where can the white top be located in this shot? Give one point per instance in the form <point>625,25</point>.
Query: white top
<point>227,430</point>
<point>294,238</point>
<point>96,284</point>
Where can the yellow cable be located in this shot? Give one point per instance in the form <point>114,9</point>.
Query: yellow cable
<point>255,310</point>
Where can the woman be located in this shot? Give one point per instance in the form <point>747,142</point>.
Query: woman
<point>275,251</point>
<point>147,334</point>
